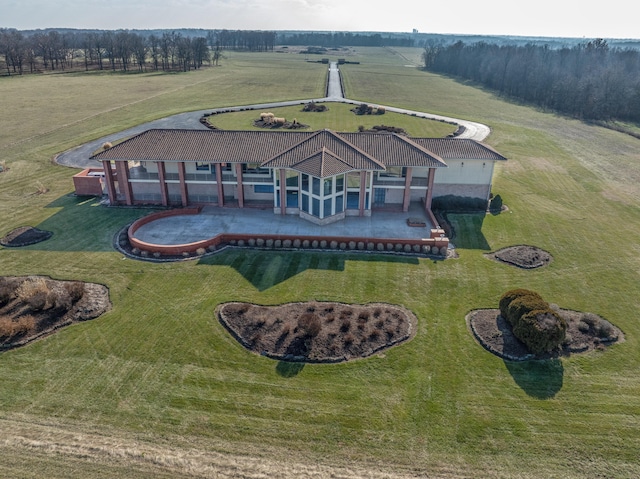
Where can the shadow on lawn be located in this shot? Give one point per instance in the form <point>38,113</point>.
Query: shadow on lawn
<point>539,379</point>
<point>265,269</point>
<point>289,370</point>
<point>468,231</point>
<point>83,224</point>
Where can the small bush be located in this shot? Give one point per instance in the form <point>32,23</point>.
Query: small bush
<point>495,206</point>
<point>310,324</point>
<point>11,329</point>
<point>524,305</point>
<point>35,293</point>
<point>541,331</point>
<point>510,295</point>
<point>606,329</point>
<point>6,291</point>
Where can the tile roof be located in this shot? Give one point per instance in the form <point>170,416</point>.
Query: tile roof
<point>324,152</point>
<point>459,149</point>
<point>394,150</point>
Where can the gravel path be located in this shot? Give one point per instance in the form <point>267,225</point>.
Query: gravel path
<point>79,157</point>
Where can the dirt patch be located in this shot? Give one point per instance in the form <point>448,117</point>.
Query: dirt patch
<point>319,332</point>
<point>35,306</point>
<point>585,332</point>
<point>25,235</point>
<point>522,256</point>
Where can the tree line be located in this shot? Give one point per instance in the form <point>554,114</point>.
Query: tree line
<point>591,80</point>
<point>337,39</point>
<point>121,50</point>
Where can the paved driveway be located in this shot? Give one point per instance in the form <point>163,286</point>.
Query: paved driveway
<point>79,157</point>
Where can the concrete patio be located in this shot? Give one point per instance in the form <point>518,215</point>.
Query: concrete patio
<point>212,221</point>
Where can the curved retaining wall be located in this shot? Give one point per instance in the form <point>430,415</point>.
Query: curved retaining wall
<point>436,244</point>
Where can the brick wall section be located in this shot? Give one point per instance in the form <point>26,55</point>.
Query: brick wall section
<point>86,185</point>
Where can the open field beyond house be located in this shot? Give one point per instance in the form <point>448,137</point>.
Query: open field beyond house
<point>157,388</point>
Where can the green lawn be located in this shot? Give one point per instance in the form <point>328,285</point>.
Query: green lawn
<point>159,373</point>
<point>338,117</point>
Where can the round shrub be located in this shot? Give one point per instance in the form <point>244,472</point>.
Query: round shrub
<point>416,248</point>
<point>523,305</point>
<point>305,243</point>
<point>399,247</point>
<point>343,245</point>
<point>296,243</point>
<point>269,243</point>
<point>370,246</point>
<point>541,330</point>
<point>277,244</point>
<point>241,243</point>
<point>352,245</point>
<point>314,244</point>
<point>380,247</point>
<point>286,243</point>
<point>251,242</point>
<point>435,250</point>
<point>389,246</point>
<point>443,251</point>
<point>201,251</point>
<point>323,244</point>
<point>512,294</point>
<point>407,248</point>
<point>334,244</point>
<point>259,242</point>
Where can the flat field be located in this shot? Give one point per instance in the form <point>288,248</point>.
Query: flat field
<point>157,388</point>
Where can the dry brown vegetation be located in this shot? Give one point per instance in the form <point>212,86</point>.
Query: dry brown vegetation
<point>522,256</point>
<point>34,306</point>
<point>317,331</point>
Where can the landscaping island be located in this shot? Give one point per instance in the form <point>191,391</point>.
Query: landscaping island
<point>317,332</point>
<point>32,307</point>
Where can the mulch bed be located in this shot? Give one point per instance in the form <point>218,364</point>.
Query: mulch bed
<point>288,125</point>
<point>24,236</point>
<point>51,305</point>
<point>522,256</point>
<point>317,332</point>
<point>494,333</point>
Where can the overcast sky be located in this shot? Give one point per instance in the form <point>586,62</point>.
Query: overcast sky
<point>558,18</point>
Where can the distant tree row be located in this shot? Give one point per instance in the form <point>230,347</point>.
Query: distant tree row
<point>337,39</point>
<point>251,40</point>
<point>589,81</point>
<point>115,50</point>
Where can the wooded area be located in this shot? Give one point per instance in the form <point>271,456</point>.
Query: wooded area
<point>122,50</point>
<point>591,81</point>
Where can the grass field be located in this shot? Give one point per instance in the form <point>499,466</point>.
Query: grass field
<point>157,388</point>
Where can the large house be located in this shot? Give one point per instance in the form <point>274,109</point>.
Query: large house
<point>321,176</point>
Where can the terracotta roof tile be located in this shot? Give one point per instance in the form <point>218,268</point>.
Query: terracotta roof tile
<point>458,148</point>
<point>321,151</point>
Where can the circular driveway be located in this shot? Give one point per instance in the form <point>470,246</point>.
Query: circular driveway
<point>80,156</point>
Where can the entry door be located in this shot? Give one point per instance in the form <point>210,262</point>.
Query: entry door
<point>379,196</point>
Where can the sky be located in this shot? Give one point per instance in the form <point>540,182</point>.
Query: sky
<point>539,18</point>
